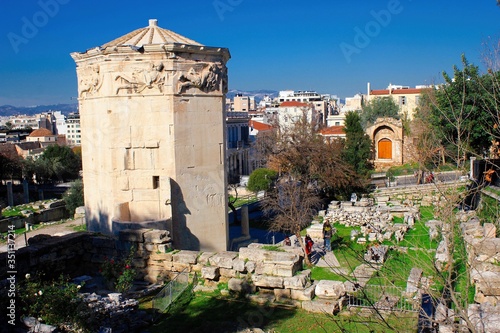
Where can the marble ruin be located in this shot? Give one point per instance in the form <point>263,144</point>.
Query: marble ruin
<point>153,143</point>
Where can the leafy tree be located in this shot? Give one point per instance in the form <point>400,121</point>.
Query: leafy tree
<point>74,197</point>
<point>10,167</point>
<point>358,151</point>
<point>57,163</point>
<point>261,179</point>
<point>461,112</point>
<point>378,108</point>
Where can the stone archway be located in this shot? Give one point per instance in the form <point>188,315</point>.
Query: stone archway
<point>387,138</point>
<point>384,149</point>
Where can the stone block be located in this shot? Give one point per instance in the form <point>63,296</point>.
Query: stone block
<point>156,236</point>
<point>132,235</point>
<point>223,259</point>
<point>267,281</point>
<point>321,306</point>
<point>179,267</point>
<point>298,281</point>
<point>204,257</point>
<point>264,268</point>
<point>250,266</point>
<point>160,256</point>
<point>185,257</point>
<point>228,273</point>
<point>240,285</point>
<point>262,298</point>
<point>252,253</point>
<point>330,289</point>
<point>210,272</point>
<point>164,248</point>
<point>413,280</point>
<point>150,247</point>
<point>281,294</point>
<point>305,294</point>
<point>490,230</point>
<point>197,268</point>
<point>239,265</point>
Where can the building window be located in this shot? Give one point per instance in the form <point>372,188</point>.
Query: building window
<point>402,100</point>
<point>156,182</point>
<point>417,100</point>
<point>337,123</point>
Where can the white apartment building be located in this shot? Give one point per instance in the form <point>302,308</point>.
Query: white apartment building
<point>73,134</point>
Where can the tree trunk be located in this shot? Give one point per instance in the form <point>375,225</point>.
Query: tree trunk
<point>303,246</point>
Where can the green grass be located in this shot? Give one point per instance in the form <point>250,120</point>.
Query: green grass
<point>325,273</point>
<point>244,200</point>
<point>275,248</point>
<point>211,312</point>
<point>16,211</point>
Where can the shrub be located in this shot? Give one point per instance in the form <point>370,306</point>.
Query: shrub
<point>261,179</point>
<point>55,302</point>
<point>119,273</point>
<point>74,197</point>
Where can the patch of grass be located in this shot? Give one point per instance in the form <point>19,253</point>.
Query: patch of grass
<point>209,312</point>
<point>325,273</point>
<point>78,227</point>
<point>276,248</point>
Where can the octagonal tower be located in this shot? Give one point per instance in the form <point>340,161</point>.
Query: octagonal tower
<point>153,136</point>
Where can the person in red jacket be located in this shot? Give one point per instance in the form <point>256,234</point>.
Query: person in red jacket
<point>309,245</point>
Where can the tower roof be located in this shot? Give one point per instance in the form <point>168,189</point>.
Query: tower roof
<point>152,34</point>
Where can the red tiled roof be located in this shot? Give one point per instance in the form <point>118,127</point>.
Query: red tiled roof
<point>259,126</point>
<point>396,91</point>
<point>333,130</point>
<point>293,104</point>
<point>407,91</point>
<point>41,132</point>
<point>379,92</point>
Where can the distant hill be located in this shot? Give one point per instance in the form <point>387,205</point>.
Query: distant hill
<point>9,110</point>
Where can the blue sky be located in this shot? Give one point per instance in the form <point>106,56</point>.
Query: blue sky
<point>329,46</point>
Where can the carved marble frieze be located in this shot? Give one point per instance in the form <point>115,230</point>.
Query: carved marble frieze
<point>207,77</point>
<point>90,82</point>
<point>140,79</point>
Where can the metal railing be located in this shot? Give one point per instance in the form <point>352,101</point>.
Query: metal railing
<point>388,298</point>
<point>171,292</point>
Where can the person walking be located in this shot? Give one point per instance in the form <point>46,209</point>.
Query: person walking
<point>327,235</point>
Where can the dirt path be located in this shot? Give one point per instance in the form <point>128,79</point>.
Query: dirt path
<point>57,229</point>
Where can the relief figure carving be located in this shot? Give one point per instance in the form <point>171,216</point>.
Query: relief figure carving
<point>91,80</point>
<point>207,78</point>
<point>140,79</point>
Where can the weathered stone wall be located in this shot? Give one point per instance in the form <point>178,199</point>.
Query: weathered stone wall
<point>45,215</point>
<point>73,254</point>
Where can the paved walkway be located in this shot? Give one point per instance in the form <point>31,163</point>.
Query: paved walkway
<point>57,229</point>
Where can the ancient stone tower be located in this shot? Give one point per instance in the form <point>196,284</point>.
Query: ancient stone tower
<point>153,136</point>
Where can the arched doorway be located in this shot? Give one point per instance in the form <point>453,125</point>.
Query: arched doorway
<point>385,149</point>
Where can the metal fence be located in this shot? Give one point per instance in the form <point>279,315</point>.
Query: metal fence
<point>382,298</point>
<point>171,292</point>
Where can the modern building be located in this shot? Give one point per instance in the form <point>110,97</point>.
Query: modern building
<point>291,112</point>
<point>405,97</point>
<point>153,128</point>
<point>73,130</point>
